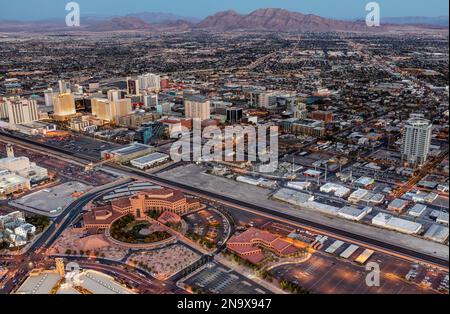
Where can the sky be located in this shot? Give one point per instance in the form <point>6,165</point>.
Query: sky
<point>341,9</point>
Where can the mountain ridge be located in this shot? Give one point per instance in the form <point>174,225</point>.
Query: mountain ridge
<point>268,19</point>
<point>162,17</point>
<point>278,20</point>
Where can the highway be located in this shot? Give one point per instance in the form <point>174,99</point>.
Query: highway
<point>388,248</point>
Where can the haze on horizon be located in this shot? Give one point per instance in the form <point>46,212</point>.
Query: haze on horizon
<point>342,9</point>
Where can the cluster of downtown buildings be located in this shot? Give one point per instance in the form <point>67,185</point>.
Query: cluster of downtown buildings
<point>138,108</point>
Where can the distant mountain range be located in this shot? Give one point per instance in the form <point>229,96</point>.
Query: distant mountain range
<point>263,19</point>
<point>160,17</point>
<point>277,20</point>
<point>119,24</point>
<point>418,20</point>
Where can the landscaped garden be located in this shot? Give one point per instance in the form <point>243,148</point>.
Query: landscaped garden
<point>128,229</point>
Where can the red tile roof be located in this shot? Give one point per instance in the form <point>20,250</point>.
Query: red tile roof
<point>252,235</point>
<point>93,217</point>
<point>121,203</point>
<point>246,244</point>
<point>167,216</point>
<point>166,194</point>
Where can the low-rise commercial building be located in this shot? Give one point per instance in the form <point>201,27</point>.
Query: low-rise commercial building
<point>11,183</point>
<point>417,210</point>
<point>127,153</point>
<point>309,127</point>
<point>364,182</point>
<point>301,186</point>
<point>338,190</point>
<point>353,213</point>
<point>21,166</point>
<point>293,197</point>
<point>440,216</point>
<point>357,196</point>
<point>437,233</point>
<point>397,205</point>
<point>150,161</point>
<point>401,225</point>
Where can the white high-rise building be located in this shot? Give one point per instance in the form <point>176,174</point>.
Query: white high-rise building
<point>150,100</point>
<point>48,96</point>
<point>197,107</point>
<point>113,94</point>
<point>150,82</point>
<point>64,87</point>
<point>22,111</point>
<point>416,141</point>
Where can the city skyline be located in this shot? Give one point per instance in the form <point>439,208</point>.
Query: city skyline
<point>26,10</point>
<point>247,154</point>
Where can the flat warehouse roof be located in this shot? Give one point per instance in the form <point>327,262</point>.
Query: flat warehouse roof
<point>130,150</point>
<point>150,158</point>
<point>352,211</point>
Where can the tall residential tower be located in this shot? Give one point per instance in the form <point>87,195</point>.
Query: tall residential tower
<point>416,141</point>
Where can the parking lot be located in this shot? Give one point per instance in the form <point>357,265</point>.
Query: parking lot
<point>208,224</point>
<point>327,275</point>
<point>73,142</point>
<point>65,170</point>
<point>215,278</point>
<point>51,202</point>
